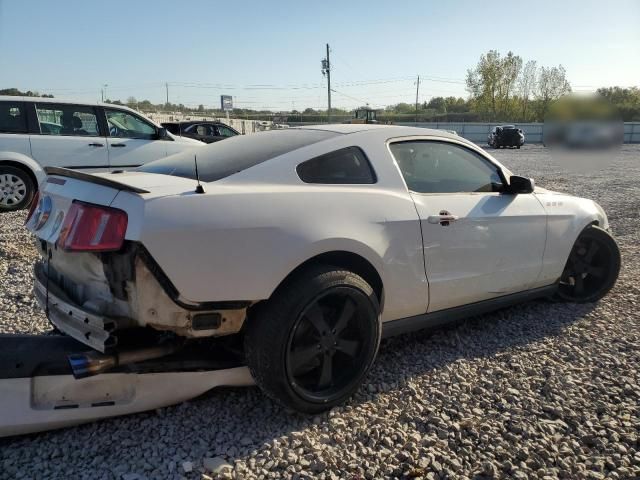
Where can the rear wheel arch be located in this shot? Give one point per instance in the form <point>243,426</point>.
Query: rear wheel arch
<point>23,167</point>
<point>22,183</point>
<point>340,259</point>
<point>343,260</point>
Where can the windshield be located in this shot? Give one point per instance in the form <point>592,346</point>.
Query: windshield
<point>221,159</point>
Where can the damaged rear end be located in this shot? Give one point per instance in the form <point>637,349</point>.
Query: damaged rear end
<point>95,278</point>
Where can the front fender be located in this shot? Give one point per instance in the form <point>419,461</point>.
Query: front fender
<point>567,217</point>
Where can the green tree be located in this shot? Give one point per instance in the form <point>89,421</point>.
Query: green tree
<point>551,85</point>
<point>526,85</point>
<point>492,83</point>
<point>625,100</point>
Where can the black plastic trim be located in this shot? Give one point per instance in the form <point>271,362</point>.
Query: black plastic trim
<point>441,317</point>
<point>65,172</point>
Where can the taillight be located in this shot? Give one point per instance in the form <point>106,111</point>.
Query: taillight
<point>93,228</point>
<point>32,206</point>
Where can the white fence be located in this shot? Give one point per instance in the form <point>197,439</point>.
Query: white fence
<point>243,126</point>
<point>478,132</point>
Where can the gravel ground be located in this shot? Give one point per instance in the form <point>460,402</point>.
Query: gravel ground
<point>541,390</point>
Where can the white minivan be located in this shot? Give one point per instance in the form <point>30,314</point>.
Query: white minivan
<point>92,137</point>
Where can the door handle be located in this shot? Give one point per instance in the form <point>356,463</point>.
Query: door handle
<point>96,144</point>
<point>118,144</point>
<point>442,219</point>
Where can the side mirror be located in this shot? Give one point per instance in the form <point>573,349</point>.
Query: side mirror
<point>519,184</point>
<point>162,133</point>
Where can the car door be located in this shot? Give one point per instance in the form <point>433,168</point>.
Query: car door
<point>479,242</point>
<point>132,141</point>
<point>69,136</point>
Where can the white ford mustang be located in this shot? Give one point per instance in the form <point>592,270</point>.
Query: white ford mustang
<point>308,245</point>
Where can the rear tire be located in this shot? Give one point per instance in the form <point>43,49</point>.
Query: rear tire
<point>592,267</point>
<point>16,188</point>
<point>311,345</point>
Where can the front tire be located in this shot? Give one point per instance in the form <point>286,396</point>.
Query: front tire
<point>592,267</point>
<point>311,345</point>
<point>16,188</point>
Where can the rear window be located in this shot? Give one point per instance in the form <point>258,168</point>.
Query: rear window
<point>346,166</point>
<point>221,159</point>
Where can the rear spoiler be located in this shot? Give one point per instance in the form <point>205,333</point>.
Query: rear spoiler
<point>86,177</point>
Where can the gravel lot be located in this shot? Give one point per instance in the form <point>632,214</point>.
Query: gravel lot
<point>541,390</point>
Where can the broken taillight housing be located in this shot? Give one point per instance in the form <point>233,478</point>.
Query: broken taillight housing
<point>32,207</point>
<point>92,228</point>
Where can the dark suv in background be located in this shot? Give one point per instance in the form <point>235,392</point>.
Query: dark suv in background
<point>506,136</point>
<point>207,132</point>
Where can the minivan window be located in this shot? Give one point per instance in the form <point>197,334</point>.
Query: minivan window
<point>63,119</point>
<point>126,125</point>
<point>12,117</point>
<point>345,166</point>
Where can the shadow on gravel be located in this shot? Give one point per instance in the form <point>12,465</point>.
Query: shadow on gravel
<point>233,422</point>
<point>502,332</point>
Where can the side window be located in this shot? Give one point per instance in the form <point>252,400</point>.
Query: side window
<point>62,119</point>
<point>346,166</point>
<point>13,118</point>
<point>439,167</point>
<point>224,131</point>
<point>125,125</point>
<point>204,130</point>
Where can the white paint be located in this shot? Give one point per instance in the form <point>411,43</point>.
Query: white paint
<point>28,404</point>
<point>240,239</point>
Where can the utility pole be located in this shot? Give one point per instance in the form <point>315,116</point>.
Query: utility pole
<point>417,92</point>
<point>104,92</point>
<point>326,70</point>
<point>166,86</point>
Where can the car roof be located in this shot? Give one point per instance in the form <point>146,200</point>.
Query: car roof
<point>12,98</point>
<point>189,122</point>
<point>390,130</point>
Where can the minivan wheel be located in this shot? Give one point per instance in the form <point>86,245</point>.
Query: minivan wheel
<point>592,267</point>
<point>16,188</point>
<point>311,345</point>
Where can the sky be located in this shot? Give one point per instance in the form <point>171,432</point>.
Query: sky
<point>267,54</point>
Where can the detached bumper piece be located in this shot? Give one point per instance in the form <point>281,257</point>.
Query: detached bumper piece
<point>38,391</point>
<point>87,327</point>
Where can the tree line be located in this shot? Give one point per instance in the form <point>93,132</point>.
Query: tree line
<point>501,88</point>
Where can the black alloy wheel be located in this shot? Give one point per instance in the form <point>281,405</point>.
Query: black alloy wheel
<point>328,345</point>
<point>592,267</point>
<point>311,344</point>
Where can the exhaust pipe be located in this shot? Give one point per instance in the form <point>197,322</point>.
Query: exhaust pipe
<point>92,363</point>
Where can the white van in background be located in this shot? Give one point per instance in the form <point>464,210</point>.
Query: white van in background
<point>92,137</point>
